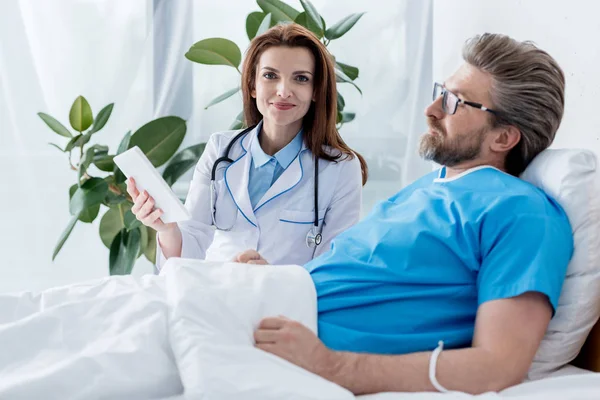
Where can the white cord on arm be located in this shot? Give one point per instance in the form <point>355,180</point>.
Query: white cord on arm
<point>433,364</point>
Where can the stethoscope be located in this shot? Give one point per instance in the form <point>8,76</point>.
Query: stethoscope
<point>313,237</point>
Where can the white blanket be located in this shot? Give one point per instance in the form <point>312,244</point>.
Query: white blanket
<point>186,334</point>
<point>189,329</point>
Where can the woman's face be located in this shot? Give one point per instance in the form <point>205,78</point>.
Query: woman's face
<point>284,86</point>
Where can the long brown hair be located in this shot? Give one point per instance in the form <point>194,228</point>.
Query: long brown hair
<point>319,123</point>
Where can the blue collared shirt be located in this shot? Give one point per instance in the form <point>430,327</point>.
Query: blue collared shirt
<point>265,169</point>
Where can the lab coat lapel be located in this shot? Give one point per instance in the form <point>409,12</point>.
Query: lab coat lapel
<point>286,182</point>
<point>236,179</point>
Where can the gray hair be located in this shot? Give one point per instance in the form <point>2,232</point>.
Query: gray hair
<point>528,89</point>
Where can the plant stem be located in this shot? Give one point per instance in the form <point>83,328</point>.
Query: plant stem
<point>121,214</point>
<point>71,163</point>
<point>116,190</point>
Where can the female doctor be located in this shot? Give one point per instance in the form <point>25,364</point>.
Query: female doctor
<point>284,187</point>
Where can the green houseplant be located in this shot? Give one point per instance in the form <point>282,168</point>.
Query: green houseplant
<point>101,185</point>
<point>220,51</point>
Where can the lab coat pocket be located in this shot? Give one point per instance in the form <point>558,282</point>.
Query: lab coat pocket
<point>301,217</point>
<point>226,211</point>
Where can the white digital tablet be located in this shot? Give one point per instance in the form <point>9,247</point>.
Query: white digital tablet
<point>134,163</point>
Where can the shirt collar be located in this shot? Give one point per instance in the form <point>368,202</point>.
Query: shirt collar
<point>284,156</point>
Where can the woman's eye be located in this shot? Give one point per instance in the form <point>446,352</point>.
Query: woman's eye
<point>302,78</point>
<point>269,75</point>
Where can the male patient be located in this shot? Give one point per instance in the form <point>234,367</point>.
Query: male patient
<point>469,255</point>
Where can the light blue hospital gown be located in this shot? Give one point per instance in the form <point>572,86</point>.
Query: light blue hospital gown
<point>415,270</point>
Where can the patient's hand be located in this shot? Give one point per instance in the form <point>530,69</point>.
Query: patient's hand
<point>250,257</point>
<point>294,342</point>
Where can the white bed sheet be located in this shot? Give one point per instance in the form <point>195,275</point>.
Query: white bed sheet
<point>186,334</point>
<point>569,387</point>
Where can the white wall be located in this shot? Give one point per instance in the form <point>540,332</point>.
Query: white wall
<point>568,30</point>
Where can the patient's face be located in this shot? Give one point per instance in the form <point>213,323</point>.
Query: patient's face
<point>455,139</point>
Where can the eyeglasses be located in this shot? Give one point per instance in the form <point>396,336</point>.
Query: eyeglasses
<point>450,101</point>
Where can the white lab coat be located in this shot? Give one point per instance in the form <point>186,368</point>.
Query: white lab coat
<point>278,225</point>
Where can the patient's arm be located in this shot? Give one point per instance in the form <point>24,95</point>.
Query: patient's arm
<point>507,335</point>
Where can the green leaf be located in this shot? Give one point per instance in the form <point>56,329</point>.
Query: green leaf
<point>182,162</point>
<point>90,193</point>
<point>78,141</point>
<point>101,118</point>
<point>85,162</point>
<point>150,248</point>
<point>71,143</point>
<point>88,157</point>
<point>338,30</point>
<point>111,223</point>
<point>72,190</point>
<point>124,145</point>
<point>119,176</point>
<point>347,117</point>
<point>55,125</point>
<point>104,162</point>
<point>281,11</point>
<point>215,51</point>
<point>350,71</point>
<point>264,25</point>
<point>64,236</point>
<point>80,115</point>
<point>341,77</point>
<point>253,22</point>
<point>113,199</point>
<point>123,251</point>
<point>89,214</point>
<point>143,240</point>
<point>306,22</point>
<point>313,15</point>
<point>55,145</point>
<point>222,97</point>
<point>238,123</point>
<point>130,220</point>
<point>159,139</point>
<point>341,103</point>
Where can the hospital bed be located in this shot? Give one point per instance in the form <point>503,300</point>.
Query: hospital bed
<point>187,333</point>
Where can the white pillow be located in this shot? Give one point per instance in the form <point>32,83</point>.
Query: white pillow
<point>572,178</point>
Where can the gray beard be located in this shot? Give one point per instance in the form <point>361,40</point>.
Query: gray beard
<point>450,152</point>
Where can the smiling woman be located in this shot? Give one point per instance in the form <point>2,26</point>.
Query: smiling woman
<point>284,186</point>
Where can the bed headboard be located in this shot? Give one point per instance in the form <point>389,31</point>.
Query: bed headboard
<point>589,357</point>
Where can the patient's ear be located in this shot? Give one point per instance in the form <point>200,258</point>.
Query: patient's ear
<point>507,138</point>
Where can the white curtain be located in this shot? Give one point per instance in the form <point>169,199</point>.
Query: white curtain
<point>51,52</point>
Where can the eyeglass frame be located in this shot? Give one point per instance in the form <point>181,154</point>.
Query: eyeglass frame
<point>444,93</point>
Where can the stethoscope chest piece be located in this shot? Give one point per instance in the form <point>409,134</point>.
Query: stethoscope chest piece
<point>313,239</point>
